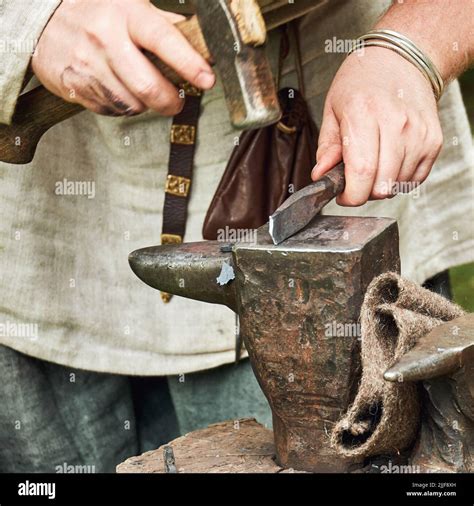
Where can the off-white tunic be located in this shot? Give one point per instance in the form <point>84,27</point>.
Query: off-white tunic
<point>63,258</point>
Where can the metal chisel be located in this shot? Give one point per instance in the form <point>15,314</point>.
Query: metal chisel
<point>301,207</point>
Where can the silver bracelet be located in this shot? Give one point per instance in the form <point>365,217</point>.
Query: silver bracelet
<point>407,49</point>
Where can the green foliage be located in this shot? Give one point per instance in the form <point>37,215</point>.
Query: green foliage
<point>467,87</point>
<point>462,283</point>
<point>462,277</point>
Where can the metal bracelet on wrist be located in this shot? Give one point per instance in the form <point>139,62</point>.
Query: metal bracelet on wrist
<point>403,46</point>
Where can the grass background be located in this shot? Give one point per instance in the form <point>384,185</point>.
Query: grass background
<point>462,277</point>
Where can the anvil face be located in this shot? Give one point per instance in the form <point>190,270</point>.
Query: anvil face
<point>299,305</point>
<point>326,233</point>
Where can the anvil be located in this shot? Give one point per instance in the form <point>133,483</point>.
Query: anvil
<point>289,298</point>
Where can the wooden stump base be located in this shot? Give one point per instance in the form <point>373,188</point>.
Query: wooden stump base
<point>241,446</point>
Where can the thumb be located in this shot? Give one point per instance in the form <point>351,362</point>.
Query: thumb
<point>329,151</point>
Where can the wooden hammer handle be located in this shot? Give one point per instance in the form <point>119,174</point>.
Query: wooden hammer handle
<point>38,110</point>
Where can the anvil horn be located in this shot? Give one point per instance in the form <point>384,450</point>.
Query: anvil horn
<point>442,351</point>
<point>189,270</point>
<point>444,360</point>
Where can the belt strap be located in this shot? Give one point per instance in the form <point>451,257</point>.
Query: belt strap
<point>180,169</point>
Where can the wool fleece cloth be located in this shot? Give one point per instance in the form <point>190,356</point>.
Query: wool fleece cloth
<point>384,417</point>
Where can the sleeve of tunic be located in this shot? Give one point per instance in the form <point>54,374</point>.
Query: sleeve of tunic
<point>21,24</point>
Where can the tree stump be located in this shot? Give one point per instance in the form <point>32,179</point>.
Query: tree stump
<point>240,446</point>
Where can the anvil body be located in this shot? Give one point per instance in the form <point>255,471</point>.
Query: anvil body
<point>288,298</point>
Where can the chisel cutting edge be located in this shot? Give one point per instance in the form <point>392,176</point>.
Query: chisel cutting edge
<point>301,207</point>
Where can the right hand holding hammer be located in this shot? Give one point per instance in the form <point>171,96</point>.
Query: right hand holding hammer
<point>91,53</point>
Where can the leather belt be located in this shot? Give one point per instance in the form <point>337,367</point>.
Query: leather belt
<point>180,169</point>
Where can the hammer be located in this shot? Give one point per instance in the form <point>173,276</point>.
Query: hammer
<point>228,33</point>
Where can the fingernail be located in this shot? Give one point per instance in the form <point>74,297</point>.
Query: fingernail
<point>206,79</point>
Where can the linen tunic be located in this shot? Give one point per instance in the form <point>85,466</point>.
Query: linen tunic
<point>68,295</point>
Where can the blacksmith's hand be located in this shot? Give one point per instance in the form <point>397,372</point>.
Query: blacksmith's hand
<point>90,53</point>
<point>381,115</point>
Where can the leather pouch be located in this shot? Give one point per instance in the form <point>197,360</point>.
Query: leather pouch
<point>266,166</point>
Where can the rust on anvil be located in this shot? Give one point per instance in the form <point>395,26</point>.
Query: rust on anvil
<point>288,297</point>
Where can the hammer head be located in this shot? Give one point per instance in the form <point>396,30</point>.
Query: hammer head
<point>298,303</point>
<point>235,32</point>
